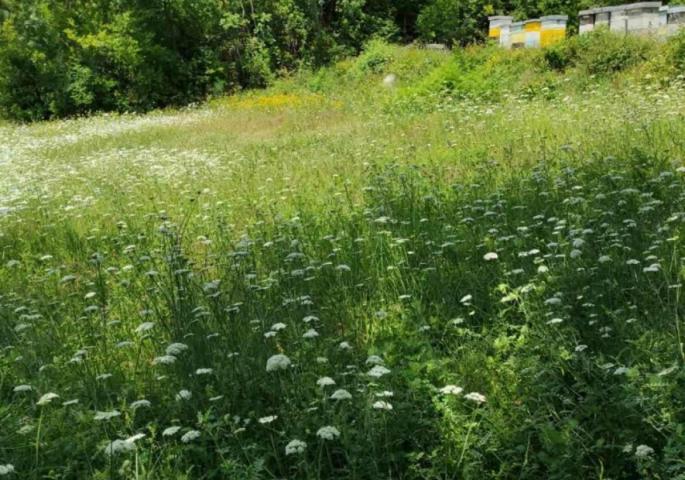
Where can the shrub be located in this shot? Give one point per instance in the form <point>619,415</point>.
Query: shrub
<point>600,52</point>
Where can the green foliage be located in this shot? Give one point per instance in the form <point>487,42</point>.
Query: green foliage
<point>676,52</point>
<point>453,21</point>
<point>600,52</point>
<point>60,60</point>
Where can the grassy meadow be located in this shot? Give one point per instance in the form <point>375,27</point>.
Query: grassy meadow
<point>475,273</point>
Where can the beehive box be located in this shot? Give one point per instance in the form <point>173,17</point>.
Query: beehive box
<point>496,24</point>
<point>552,29</point>
<point>518,36</point>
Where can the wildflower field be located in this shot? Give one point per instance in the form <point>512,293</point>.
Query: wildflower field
<point>476,273</point>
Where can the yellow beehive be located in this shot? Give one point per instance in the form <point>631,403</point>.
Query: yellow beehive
<point>531,30</point>
<point>496,23</point>
<point>553,29</point>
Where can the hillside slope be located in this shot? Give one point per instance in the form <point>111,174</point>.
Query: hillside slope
<point>474,274</point>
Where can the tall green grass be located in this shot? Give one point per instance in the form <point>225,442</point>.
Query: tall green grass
<point>334,279</point>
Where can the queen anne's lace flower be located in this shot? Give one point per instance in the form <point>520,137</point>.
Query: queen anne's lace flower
<point>382,405</point>
<point>190,435</point>
<point>100,416</point>
<point>643,451</point>
<point>269,419</point>
<point>475,397</point>
<point>295,446</point>
<point>184,395</point>
<point>341,394</point>
<point>325,381</point>
<point>47,398</point>
<point>6,469</point>
<point>378,371</point>
<point>451,390</point>
<point>277,362</point>
<point>328,433</point>
<point>170,431</point>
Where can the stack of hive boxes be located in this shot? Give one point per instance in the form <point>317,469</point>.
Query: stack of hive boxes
<point>643,18</point>
<point>530,33</point>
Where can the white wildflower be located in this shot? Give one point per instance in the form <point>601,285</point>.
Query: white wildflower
<point>23,388</point>
<point>268,419</point>
<point>374,360</point>
<point>6,469</point>
<point>184,395</point>
<point>164,360</point>
<point>451,390</point>
<point>490,256</point>
<point>382,405</point>
<point>140,404</point>
<point>328,433</point>
<point>643,451</point>
<point>190,435</point>
<point>47,398</point>
<point>170,431</point>
<point>475,397</point>
<point>203,371</point>
<point>119,446</point>
<point>99,416</point>
<point>378,371</point>
<point>311,333</point>
<point>325,381</point>
<point>144,327</point>
<point>176,348</point>
<point>277,362</point>
<point>341,394</point>
<point>295,446</point>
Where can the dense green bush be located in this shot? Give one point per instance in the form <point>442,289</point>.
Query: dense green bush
<point>676,52</point>
<point>59,60</point>
<point>454,21</point>
<point>600,52</point>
